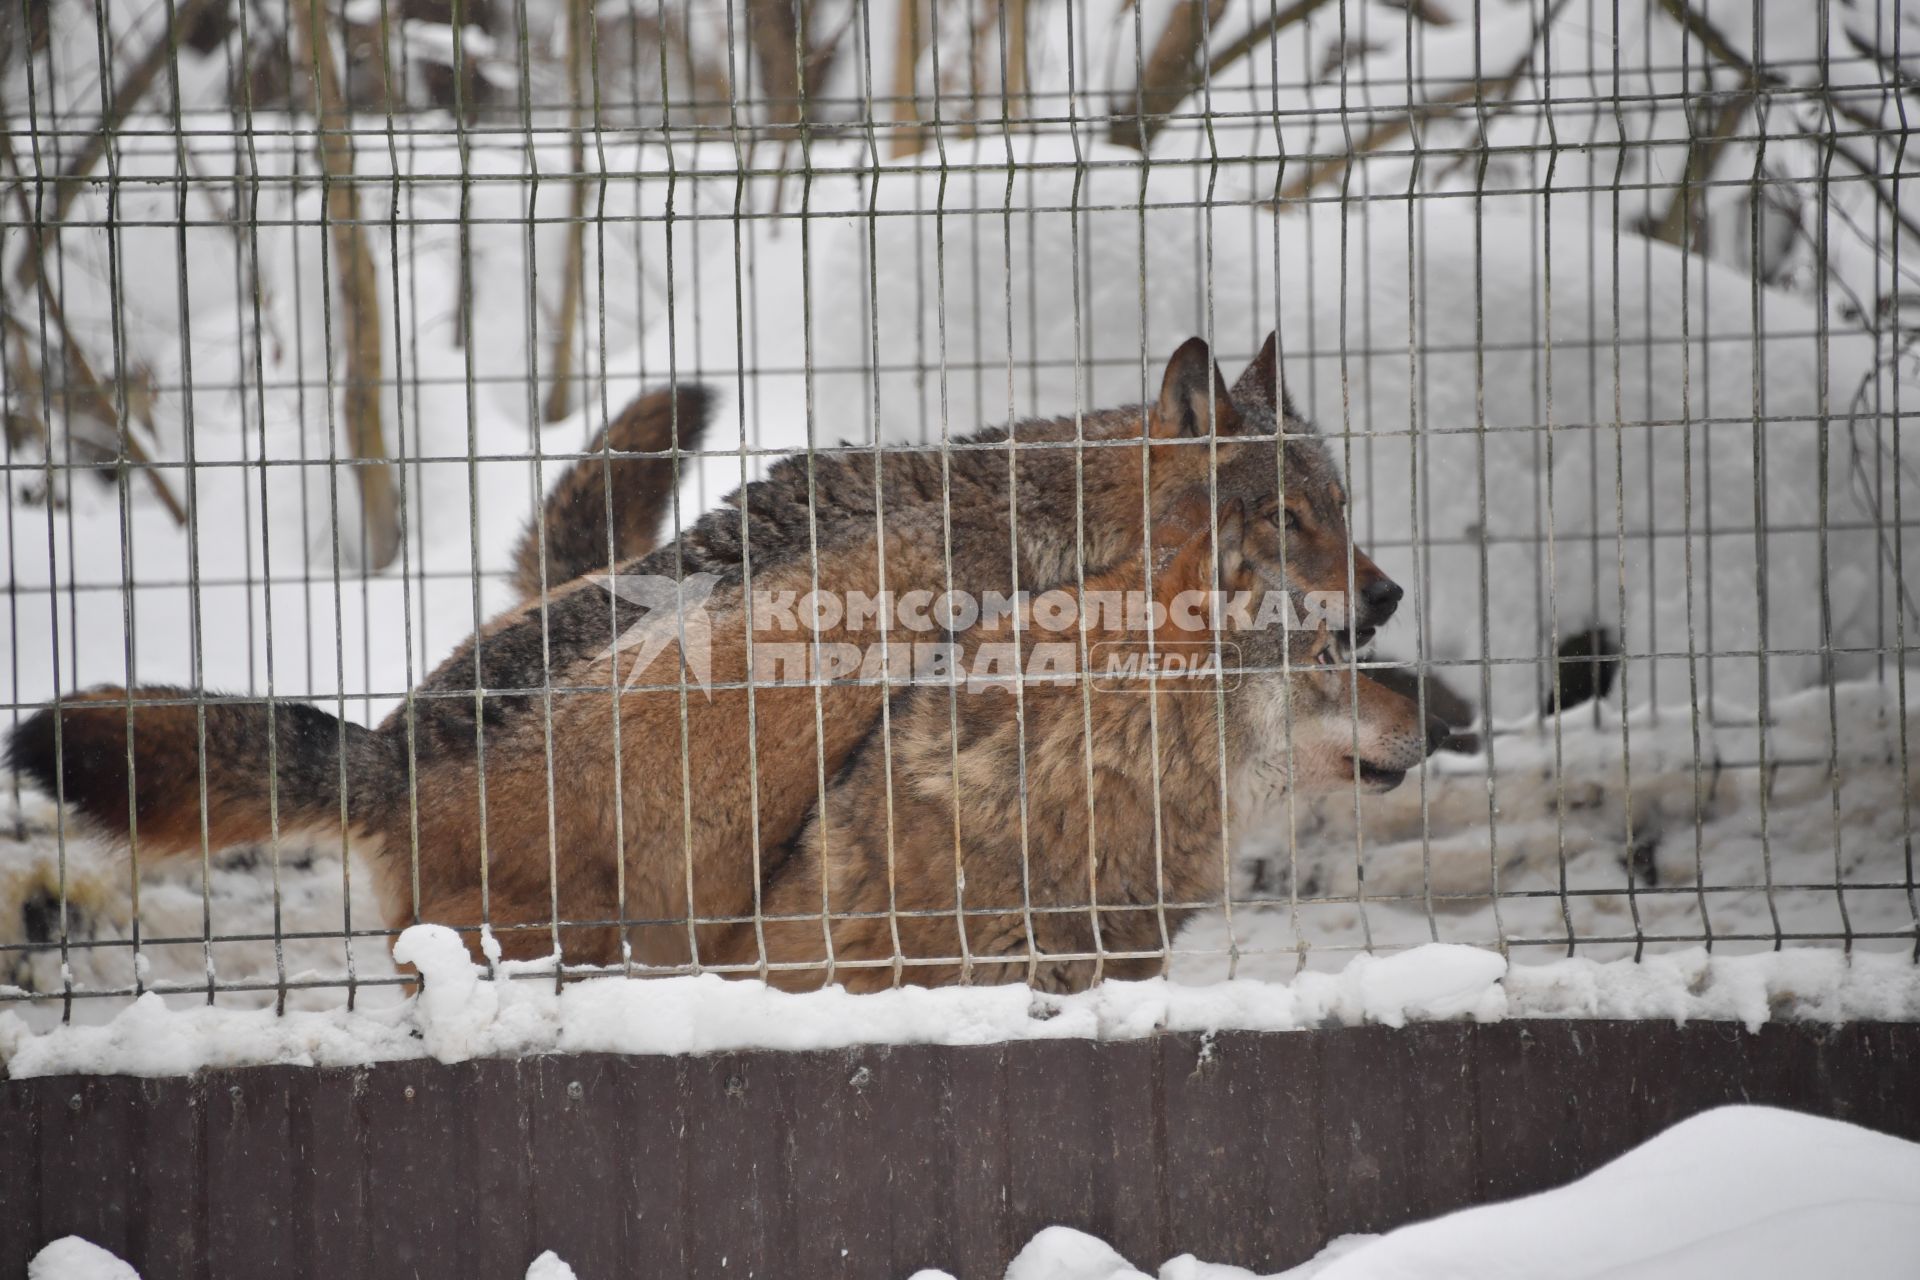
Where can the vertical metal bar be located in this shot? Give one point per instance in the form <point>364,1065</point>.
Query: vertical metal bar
<point>1762,101</point>
<point>1824,425</point>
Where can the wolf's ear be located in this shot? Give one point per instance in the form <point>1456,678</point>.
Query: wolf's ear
<point>1261,384</point>
<point>1194,398</point>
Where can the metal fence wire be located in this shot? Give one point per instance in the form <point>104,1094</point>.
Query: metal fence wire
<point>377,374</point>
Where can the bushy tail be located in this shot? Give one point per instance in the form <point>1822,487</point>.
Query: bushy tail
<point>87,765</point>
<point>574,519</point>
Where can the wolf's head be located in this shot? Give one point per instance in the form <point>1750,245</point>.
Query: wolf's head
<point>1302,717</point>
<point>1249,445</point>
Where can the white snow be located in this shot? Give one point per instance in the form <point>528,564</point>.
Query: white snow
<point>549,1266</point>
<point>1813,845</point>
<point>1742,1191</point>
<point>1061,1253</point>
<point>71,1258</point>
<point>459,1016</point>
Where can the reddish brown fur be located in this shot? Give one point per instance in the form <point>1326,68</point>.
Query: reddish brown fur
<point>560,801</point>
<point>633,477</point>
<point>1075,882</point>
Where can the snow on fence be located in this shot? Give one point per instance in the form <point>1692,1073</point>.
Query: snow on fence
<point>1585,393</point>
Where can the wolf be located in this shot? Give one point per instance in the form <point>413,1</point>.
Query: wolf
<point>1065,835</point>
<point>536,777</point>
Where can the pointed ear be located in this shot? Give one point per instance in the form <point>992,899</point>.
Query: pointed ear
<point>1194,398</point>
<point>1261,384</point>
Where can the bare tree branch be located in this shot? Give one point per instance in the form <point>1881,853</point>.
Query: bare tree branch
<point>76,357</point>
<point>126,96</point>
<point>1718,45</point>
<point>1474,92</point>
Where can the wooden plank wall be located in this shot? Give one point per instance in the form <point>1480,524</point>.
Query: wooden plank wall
<point>1244,1148</point>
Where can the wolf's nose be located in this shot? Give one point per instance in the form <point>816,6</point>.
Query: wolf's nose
<point>1438,731</point>
<point>1382,597</point>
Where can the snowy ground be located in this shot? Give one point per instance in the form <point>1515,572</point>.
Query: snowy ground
<point>1742,1191</point>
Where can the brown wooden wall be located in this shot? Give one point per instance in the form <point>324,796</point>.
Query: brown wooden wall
<point>1252,1149</point>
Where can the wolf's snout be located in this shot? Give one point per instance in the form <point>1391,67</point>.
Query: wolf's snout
<point>1378,600</point>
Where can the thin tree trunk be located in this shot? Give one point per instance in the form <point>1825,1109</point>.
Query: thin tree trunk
<point>1701,154</point>
<point>1176,81</point>
<point>1016,77</point>
<point>775,35</point>
<point>1168,74</point>
<point>906,139</point>
<point>359,294</point>
<point>573,285</point>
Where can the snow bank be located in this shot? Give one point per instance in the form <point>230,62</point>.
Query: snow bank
<point>549,1266</point>
<point>1741,1191</point>
<point>1746,1191</point>
<point>459,1016</point>
<point>1532,841</point>
<point>71,1258</point>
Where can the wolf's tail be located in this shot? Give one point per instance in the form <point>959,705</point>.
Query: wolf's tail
<point>86,761</point>
<point>574,519</point>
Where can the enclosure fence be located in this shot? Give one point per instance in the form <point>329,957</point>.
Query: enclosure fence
<point>1593,315</point>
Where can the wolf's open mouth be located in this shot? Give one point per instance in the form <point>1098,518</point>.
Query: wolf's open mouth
<point>1358,640</point>
<point>1375,776</point>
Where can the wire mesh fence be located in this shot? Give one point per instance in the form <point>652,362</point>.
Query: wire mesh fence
<point>377,377</point>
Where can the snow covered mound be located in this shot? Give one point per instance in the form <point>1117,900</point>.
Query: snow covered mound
<point>458,1016</point>
<point>71,1258</point>
<point>1742,1191</point>
<point>1602,827</point>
